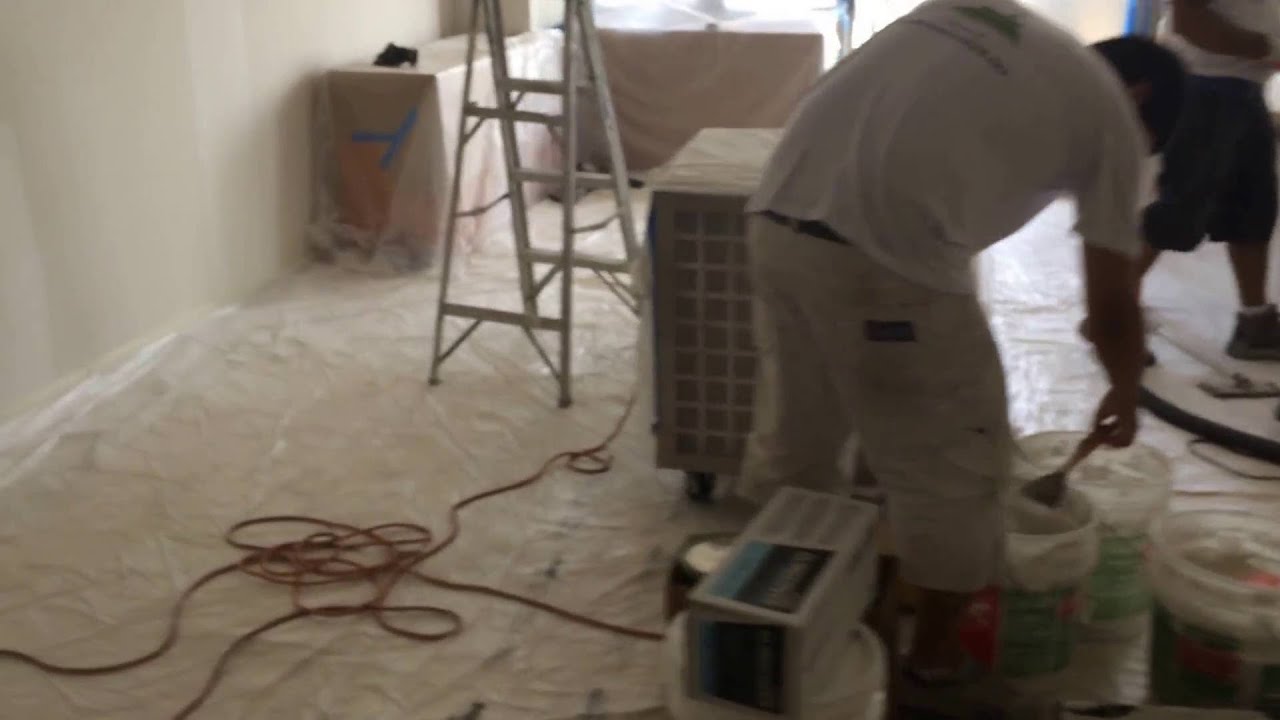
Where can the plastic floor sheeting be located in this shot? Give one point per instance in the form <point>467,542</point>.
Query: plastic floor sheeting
<point>311,400</point>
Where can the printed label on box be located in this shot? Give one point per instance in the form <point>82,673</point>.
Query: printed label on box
<point>774,577</point>
<point>742,664</point>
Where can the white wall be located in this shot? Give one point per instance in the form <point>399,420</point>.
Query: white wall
<point>1090,20</point>
<point>154,161</point>
<point>517,15</point>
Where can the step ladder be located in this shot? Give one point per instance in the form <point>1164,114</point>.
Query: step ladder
<point>582,69</point>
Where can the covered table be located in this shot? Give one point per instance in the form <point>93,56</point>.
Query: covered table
<point>385,152</point>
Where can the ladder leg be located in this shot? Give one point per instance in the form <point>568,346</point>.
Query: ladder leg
<point>593,53</point>
<point>569,195</point>
<point>451,222</point>
<point>511,155</point>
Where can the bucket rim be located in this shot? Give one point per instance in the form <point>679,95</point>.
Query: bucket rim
<point>1163,548</point>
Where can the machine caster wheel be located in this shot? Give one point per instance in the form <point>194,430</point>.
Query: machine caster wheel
<point>700,486</point>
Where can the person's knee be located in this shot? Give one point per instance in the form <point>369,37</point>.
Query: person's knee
<point>1171,226</point>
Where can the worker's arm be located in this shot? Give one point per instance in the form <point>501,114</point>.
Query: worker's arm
<point>1116,327</point>
<point>1199,25</point>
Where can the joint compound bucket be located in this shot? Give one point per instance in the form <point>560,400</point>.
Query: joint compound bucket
<point>1129,488</point>
<point>851,683</point>
<point>1026,626</point>
<point>1216,636</point>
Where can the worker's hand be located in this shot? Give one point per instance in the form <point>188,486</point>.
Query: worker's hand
<point>1116,422</point>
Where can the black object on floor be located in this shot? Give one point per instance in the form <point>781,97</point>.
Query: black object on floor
<point>700,487</point>
<point>1258,447</point>
<point>394,56</point>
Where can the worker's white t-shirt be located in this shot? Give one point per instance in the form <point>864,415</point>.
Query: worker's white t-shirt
<point>950,130</point>
<point>1260,16</point>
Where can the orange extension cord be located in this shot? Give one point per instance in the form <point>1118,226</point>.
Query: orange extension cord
<point>335,553</point>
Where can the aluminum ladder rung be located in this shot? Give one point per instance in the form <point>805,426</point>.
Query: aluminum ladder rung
<point>585,181</point>
<point>502,317</point>
<point>536,87</point>
<point>525,116</point>
<point>586,261</point>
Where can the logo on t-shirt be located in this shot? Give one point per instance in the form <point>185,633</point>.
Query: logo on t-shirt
<point>1009,26</point>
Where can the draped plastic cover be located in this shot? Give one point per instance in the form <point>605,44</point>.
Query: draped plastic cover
<point>385,146</point>
<point>671,75</point>
<point>312,400</point>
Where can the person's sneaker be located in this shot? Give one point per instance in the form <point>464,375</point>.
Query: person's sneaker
<point>1257,336</point>
<point>1087,333</point>
<point>978,696</point>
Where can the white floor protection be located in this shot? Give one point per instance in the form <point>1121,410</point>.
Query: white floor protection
<point>312,400</point>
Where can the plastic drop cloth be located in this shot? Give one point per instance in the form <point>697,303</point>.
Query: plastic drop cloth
<point>385,145</point>
<point>312,399</point>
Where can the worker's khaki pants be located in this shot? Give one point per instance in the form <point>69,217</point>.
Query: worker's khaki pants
<point>847,346</point>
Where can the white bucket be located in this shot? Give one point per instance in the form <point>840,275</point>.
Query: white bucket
<point>1026,627</point>
<point>1216,638</point>
<point>1129,489</point>
<point>851,688</point>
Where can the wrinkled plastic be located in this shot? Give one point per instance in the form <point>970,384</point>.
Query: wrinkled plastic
<point>312,399</point>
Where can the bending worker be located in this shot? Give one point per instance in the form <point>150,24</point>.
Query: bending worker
<point>946,132</point>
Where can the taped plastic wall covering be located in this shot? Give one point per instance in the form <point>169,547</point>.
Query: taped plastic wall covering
<point>384,152</point>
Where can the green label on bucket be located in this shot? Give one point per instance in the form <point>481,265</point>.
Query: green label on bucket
<point>1191,667</point>
<point>1037,632</point>
<point>1117,589</point>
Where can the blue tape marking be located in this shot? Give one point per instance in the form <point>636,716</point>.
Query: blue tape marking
<point>393,140</point>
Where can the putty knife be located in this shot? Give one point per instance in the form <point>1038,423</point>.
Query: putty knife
<point>1049,490</point>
